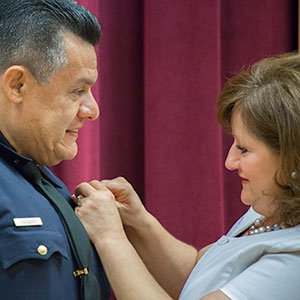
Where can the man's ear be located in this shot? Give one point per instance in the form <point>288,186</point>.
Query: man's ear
<point>13,82</point>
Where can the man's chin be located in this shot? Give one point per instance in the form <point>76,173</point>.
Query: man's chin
<point>67,153</point>
<point>70,156</point>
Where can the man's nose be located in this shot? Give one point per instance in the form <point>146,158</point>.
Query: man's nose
<point>89,109</point>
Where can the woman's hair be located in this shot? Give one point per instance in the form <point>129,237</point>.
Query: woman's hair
<point>267,97</point>
<point>32,33</point>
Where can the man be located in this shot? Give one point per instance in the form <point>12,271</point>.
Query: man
<point>47,68</point>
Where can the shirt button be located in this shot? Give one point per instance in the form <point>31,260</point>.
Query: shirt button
<point>223,240</point>
<point>42,250</point>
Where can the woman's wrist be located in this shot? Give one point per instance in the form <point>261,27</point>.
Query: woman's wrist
<point>107,244</point>
<point>141,229</point>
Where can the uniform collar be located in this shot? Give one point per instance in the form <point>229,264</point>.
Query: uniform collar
<point>8,153</point>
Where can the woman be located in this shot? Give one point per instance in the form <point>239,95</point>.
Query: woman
<point>259,258</point>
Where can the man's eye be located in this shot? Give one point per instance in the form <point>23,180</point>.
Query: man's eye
<point>242,149</point>
<point>79,92</point>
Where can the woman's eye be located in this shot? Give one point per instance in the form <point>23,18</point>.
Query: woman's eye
<point>242,149</point>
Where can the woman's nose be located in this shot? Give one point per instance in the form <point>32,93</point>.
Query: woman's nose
<point>233,159</point>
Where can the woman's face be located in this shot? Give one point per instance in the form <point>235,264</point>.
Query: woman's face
<point>257,165</point>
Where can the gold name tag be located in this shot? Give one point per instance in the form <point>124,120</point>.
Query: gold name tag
<point>35,221</point>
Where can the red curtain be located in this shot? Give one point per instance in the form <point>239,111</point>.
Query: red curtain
<point>162,64</point>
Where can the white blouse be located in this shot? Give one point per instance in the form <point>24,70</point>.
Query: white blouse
<point>262,266</point>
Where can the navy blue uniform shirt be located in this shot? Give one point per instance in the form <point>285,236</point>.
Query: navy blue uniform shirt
<point>36,261</point>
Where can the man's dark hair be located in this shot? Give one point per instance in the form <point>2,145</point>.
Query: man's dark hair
<point>32,33</point>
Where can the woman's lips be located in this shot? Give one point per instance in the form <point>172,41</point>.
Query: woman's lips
<point>244,180</point>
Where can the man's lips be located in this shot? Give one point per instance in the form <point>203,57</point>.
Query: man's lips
<point>73,132</point>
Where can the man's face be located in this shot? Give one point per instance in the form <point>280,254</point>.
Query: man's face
<point>48,119</point>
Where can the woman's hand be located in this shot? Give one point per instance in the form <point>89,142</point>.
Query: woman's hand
<point>98,212</point>
<point>131,209</point>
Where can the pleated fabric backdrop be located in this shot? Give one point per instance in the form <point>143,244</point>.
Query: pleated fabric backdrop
<point>162,64</point>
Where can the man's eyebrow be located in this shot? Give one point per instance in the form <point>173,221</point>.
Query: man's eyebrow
<point>85,81</point>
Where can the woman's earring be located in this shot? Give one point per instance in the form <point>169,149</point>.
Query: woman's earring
<point>294,175</point>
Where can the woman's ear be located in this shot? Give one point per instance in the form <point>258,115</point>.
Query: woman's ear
<point>13,81</point>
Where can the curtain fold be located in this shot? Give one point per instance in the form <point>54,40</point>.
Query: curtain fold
<point>162,64</point>
<point>182,81</point>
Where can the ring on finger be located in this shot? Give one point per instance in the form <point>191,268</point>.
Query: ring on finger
<point>79,198</point>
